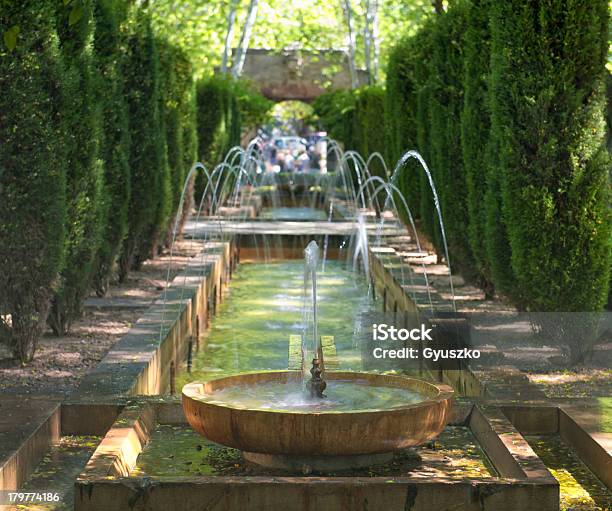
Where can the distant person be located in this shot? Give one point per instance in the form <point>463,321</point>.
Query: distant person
<point>314,158</point>
<point>289,159</point>
<point>281,163</point>
<point>304,161</point>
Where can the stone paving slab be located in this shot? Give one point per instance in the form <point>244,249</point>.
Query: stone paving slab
<point>584,426</point>
<point>28,424</point>
<point>20,416</point>
<point>118,303</point>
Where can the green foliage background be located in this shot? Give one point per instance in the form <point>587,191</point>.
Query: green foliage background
<point>33,170</point>
<point>111,102</point>
<point>505,100</point>
<point>81,117</point>
<point>115,139</point>
<point>199,26</point>
<point>547,82</point>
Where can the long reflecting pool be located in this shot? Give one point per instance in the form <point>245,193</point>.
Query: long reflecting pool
<point>293,213</point>
<point>264,308</point>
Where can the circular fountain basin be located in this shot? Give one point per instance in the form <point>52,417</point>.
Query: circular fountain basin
<point>409,412</point>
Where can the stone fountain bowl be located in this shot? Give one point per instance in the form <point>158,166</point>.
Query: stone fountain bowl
<point>320,433</point>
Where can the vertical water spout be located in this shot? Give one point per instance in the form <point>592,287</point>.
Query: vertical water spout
<point>311,260</point>
<point>361,247</point>
<point>311,346</point>
<point>326,243</point>
<point>317,384</point>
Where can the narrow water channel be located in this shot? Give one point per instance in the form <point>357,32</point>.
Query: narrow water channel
<point>263,309</point>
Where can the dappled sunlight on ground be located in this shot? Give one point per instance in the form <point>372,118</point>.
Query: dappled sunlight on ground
<point>61,362</point>
<point>584,382</point>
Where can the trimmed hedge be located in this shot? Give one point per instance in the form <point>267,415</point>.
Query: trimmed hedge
<point>355,118</point>
<point>609,111</point>
<point>81,132</point>
<point>508,102</point>
<point>114,136</point>
<point>401,116</point>
<point>32,173</point>
<point>254,108</point>
<point>475,127</point>
<point>179,110</point>
<point>98,121</point>
<point>150,190</point>
<point>547,83</point>
<point>334,111</point>
<point>426,76</point>
<point>370,124</point>
<point>445,105</point>
<point>426,211</point>
<point>219,123</point>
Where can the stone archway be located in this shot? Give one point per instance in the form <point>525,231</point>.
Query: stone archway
<point>297,74</point>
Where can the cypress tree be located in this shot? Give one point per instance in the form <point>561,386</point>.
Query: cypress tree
<point>547,119</point>
<point>32,172</point>
<point>427,212</point>
<point>81,117</point>
<point>400,95</point>
<point>219,124</point>
<point>475,127</point>
<point>115,137</point>
<point>189,127</point>
<point>608,82</point>
<point>177,79</point>
<point>445,105</point>
<point>401,113</point>
<point>497,244</point>
<point>334,110</point>
<point>371,114</point>
<point>147,159</point>
<point>153,242</point>
<point>609,144</point>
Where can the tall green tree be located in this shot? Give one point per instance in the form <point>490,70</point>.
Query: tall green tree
<point>200,27</point>
<point>445,106</point>
<point>114,137</point>
<point>180,119</point>
<point>405,105</point>
<point>148,159</point>
<point>422,72</point>
<point>32,171</point>
<point>475,127</point>
<point>547,119</point>
<point>219,123</point>
<point>81,117</point>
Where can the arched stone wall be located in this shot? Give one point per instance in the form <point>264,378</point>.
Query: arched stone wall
<point>296,74</point>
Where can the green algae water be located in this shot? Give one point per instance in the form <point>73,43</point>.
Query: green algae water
<point>178,451</point>
<point>342,396</point>
<point>293,214</point>
<point>579,489</point>
<point>56,472</point>
<point>264,308</point>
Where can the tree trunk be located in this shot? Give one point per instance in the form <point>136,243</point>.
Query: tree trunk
<point>438,6</point>
<point>245,38</point>
<point>375,39</point>
<point>372,43</point>
<point>348,15</point>
<point>229,36</point>
<point>367,39</point>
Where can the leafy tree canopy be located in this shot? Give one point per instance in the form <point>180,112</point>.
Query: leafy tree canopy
<point>199,26</point>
